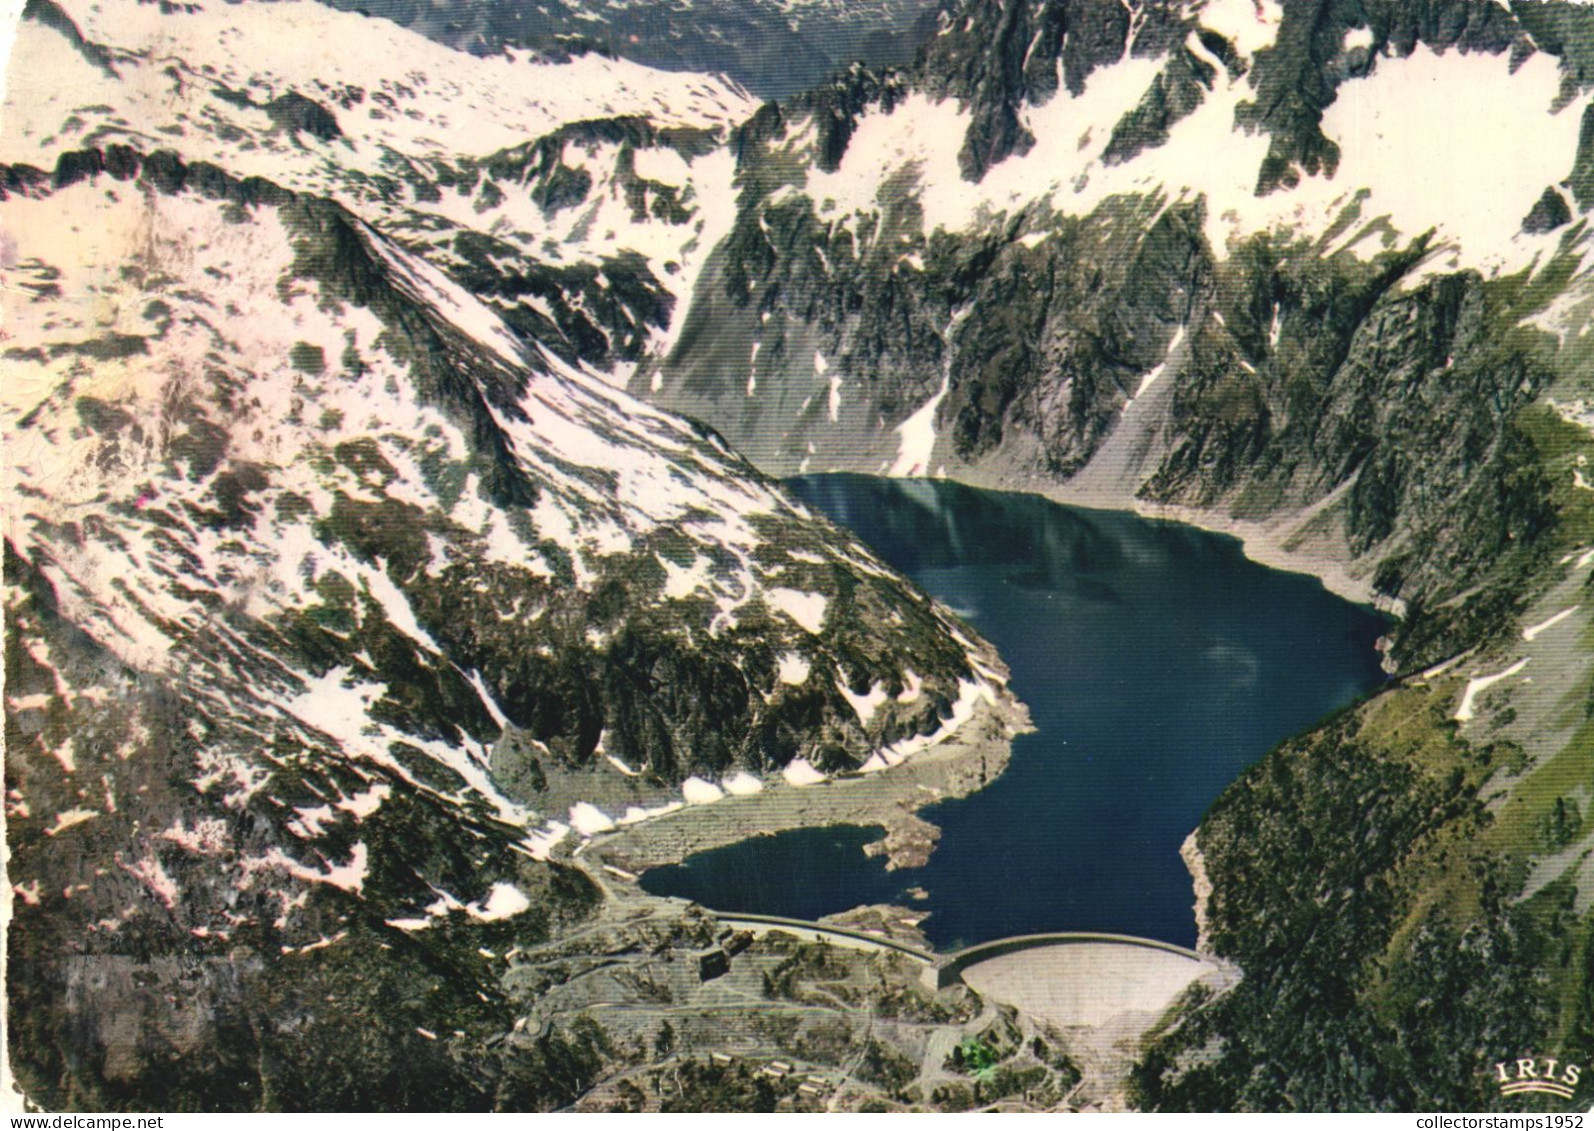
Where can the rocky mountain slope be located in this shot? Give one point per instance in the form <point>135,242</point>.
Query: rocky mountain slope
<point>342,603</point>
<point>1068,250</point>
<point>1314,272</point>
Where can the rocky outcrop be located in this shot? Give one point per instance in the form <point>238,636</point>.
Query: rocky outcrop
<point>293,111</point>
<point>995,56</point>
<point>1548,213</point>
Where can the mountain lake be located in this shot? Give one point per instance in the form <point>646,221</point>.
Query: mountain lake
<point>1157,661</point>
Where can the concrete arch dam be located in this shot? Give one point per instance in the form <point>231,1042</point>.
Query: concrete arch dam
<point>1070,978</point>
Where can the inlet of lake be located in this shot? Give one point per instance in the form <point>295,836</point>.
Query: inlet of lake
<point>1158,663</point>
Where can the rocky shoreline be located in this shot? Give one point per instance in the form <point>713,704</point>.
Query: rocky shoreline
<point>1196,864</point>
<point>1294,541</point>
<point>966,761</point>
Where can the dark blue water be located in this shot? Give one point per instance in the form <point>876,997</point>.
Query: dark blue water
<point>1158,663</point>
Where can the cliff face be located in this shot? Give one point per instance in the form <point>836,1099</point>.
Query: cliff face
<point>1115,358</point>
<point>1189,258</point>
<point>1011,264</point>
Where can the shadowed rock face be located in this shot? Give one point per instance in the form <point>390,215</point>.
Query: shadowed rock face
<point>293,111</point>
<point>1548,214</point>
<point>776,51</point>
<point>1293,380</point>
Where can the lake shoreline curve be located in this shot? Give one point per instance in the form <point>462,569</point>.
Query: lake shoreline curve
<point>967,760</point>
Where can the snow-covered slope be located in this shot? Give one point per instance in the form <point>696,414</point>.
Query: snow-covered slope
<point>1142,253</point>
<point>578,196</point>
<point>259,452</point>
<point>1489,131</point>
<point>342,601</point>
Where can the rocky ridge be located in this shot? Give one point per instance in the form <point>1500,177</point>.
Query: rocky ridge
<point>775,48</point>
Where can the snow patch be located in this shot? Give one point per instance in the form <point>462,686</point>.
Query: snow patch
<point>1482,130</point>
<point>1250,25</point>
<point>801,772</point>
<point>1465,712</point>
<point>311,822</point>
<point>208,837</point>
<point>864,706</point>
<point>543,841</point>
<point>793,669</point>
<point>1441,668</point>
<point>683,581</point>
<point>1579,412</point>
<point>623,767</point>
<point>1534,632</point>
<point>1156,372</point>
<point>807,609</point>
<point>397,607</point>
<point>588,820</point>
<point>504,901</point>
<point>635,814</point>
<point>918,437</point>
<point>491,704</point>
<point>70,817</point>
<point>154,877</point>
<point>696,791</point>
<point>971,693</point>
<point>742,784</point>
<point>1357,37</point>
<point>363,804</point>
